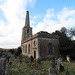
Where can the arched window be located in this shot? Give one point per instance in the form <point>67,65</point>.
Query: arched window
<point>50,49</point>
<point>29,48</point>
<point>27,30</point>
<point>26,49</point>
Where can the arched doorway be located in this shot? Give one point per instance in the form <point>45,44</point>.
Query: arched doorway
<point>34,54</point>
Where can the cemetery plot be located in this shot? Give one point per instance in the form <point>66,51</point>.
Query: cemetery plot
<point>26,67</point>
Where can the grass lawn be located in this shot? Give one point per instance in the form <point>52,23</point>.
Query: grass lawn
<point>26,68</point>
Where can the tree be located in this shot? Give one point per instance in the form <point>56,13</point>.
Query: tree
<point>72,32</point>
<point>19,51</point>
<point>65,41</point>
<point>12,51</point>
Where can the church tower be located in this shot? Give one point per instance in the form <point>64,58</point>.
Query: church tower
<point>27,30</point>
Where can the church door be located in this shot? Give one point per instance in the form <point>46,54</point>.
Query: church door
<point>34,54</point>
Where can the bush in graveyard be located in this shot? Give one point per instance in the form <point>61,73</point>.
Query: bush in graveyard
<point>19,51</point>
<point>12,51</point>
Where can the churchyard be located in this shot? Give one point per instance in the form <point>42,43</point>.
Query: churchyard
<point>23,66</point>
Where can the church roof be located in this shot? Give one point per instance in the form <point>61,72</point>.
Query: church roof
<point>42,34</point>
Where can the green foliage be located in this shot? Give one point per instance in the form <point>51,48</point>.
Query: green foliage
<point>19,51</point>
<point>12,51</point>
<point>66,44</point>
<point>72,32</point>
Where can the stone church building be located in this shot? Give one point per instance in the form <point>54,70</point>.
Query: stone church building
<point>41,44</point>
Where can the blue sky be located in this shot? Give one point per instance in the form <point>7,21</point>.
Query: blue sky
<point>45,15</point>
<point>42,5</point>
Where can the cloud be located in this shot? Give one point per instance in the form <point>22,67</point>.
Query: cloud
<point>52,21</point>
<point>11,26</point>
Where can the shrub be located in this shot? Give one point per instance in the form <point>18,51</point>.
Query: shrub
<point>19,51</point>
<point>12,51</point>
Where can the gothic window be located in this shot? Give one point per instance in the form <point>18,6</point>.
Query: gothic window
<point>50,49</point>
<point>29,48</point>
<point>26,49</point>
<point>27,30</point>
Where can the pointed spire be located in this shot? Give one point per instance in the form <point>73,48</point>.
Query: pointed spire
<point>27,22</point>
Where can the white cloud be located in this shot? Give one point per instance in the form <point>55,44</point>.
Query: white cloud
<point>11,30</point>
<point>52,21</point>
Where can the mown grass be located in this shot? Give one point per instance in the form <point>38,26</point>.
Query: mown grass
<point>26,68</point>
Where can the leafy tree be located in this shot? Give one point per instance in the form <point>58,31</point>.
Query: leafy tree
<point>19,51</point>
<point>12,51</point>
<point>72,32</point>
<point>65,41</point>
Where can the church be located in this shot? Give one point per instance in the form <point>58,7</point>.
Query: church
<point>40,45</point>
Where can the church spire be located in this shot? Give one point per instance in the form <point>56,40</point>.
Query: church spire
<point>27,22</point>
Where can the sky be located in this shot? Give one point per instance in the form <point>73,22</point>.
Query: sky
<point>45,15</point>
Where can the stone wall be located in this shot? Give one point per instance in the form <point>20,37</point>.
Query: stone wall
<point>44,47</point>
<point>33,47</point>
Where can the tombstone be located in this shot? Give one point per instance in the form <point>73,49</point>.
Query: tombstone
<point>53,63</point>
<point>3,66</point>
<point>31,59</point>
<point>68,58</point>
<point>61,68</point>
<point>60,65</point>
<point>52,70</point>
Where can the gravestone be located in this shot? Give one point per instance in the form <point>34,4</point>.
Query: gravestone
<point>31,59</point>
<point>3,66</point>
<point>60,64</point>
<point>68,58</point>
<point>52,70</point>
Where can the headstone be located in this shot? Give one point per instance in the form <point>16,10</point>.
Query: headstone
<point>53,63</point>
<point>3,66</point>
<point>68,58</point>
<point>60,64</point>
<point>31,58</point>
<point>52,70</point>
